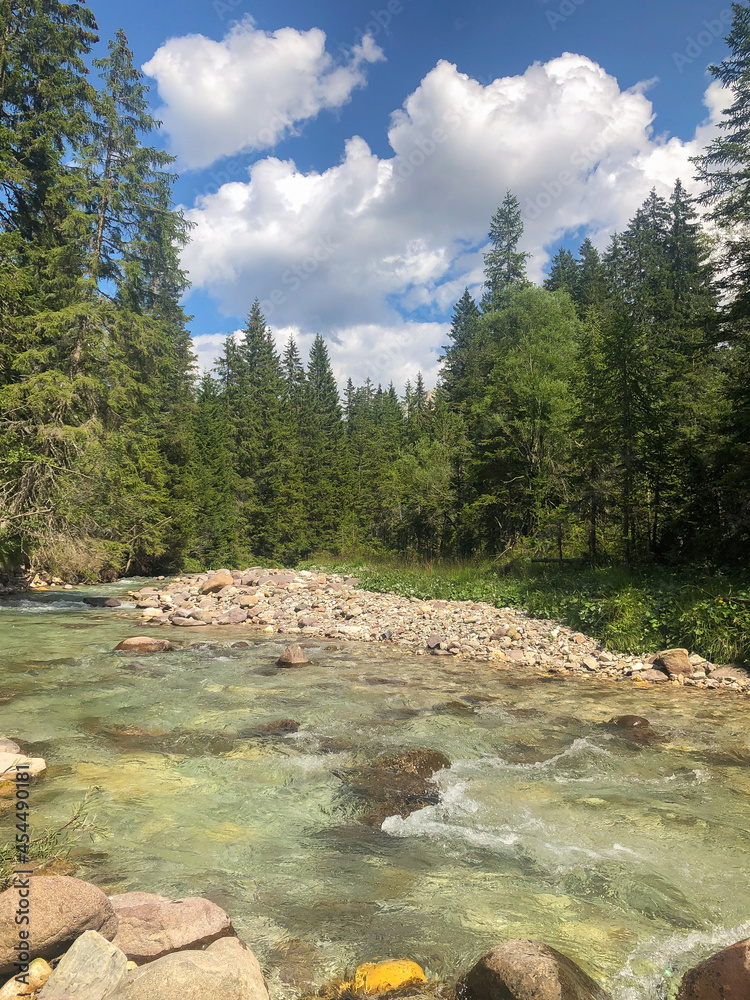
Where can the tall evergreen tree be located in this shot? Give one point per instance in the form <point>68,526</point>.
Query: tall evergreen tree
<point>505,264</point>
<point>327,474</point>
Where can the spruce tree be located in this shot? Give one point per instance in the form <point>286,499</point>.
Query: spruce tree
<point>327,472</point>
<point>505,264</point>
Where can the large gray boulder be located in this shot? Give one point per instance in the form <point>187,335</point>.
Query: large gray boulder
<point>91,970</point>
<point>226,970</point>
<point>61,908</point>
<point>151,927</point>
<point>530,970</point>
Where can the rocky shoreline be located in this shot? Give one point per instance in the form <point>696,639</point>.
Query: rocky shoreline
<point>312,605</point>
<point>83,945</point>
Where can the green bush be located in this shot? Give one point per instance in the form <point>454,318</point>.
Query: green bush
<point>708,612</point>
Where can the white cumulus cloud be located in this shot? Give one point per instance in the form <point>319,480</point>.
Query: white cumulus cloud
<point>249,90</point>
<point>378,249</point>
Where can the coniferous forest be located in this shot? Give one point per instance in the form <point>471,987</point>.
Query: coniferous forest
<point>604,415</point>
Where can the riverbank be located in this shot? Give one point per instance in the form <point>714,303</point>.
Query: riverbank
<point>310,604</point>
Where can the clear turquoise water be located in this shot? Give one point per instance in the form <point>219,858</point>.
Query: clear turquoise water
<point>630,858</point>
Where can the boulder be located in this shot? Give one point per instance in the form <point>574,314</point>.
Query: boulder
<point>151,927</point>
<point>655,676</point>
<point>675,662</point>
<point>433,641</point>
<point>101,602</point>
<point>235,616</point>
<point>226,970</point>
<point>38,974</point>
<point>529,970</point>
<point>91,970</point>
<point>181,622</point>
<point>730,674</point>
<point>144,644</point>
<point>293,656</point>
<point>9,766</point>
<point>217,582</point>
<point>724,976</point>
<point>8,746</point>
<point>630,722</point>
<point>397,785</point>
<point>61,909</point>
<point>423,763</point>
<point>380,977</point>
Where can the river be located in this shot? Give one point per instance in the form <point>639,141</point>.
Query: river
<point>630,858</point>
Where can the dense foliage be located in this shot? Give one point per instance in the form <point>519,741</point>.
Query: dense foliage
<point>603,416</point>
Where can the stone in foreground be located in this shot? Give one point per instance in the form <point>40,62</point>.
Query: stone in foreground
<point>380,977</point>
<point>151,926</point>
<point>8,746</point>
<point>144,644</point>
<point>530,970</point>
<point>61,909</point>
<point>724,976</point>
<point>38,974</point>
<point>226,970</point>
<point>13,763</point>
<point>293,656</point>
<point>91,970</point>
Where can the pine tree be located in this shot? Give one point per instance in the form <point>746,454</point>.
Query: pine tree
<point>504,264</point>
<point>563,273</point>
<point>327,472</point>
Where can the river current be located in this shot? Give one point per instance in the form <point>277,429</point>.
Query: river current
<point>629,857</point>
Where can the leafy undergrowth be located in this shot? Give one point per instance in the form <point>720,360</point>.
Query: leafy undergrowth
<point>708,612</point>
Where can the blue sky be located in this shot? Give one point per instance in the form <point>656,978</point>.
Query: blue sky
<point>344,220</point>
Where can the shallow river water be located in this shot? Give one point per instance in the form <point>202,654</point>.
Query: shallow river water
<point>629,858</point>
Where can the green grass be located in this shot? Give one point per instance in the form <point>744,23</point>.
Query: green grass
<point>706,611</point>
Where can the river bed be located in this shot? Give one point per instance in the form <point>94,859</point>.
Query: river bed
<point>629,857</point>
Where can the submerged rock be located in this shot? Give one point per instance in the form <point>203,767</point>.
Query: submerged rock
<point>380,977</point>
<point>724,976</point>
<point>282,727</point>
<point>421,762</point>
<point>293,656</point>
<point>397,785</point>
<point>144,644</point>
<point>91,970</point>
<point>529,970</point>
<point>61,909</point>
<point>630,722</point>
<point>226,970</point>
<point>635,729</point>
<point>151,927</point>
